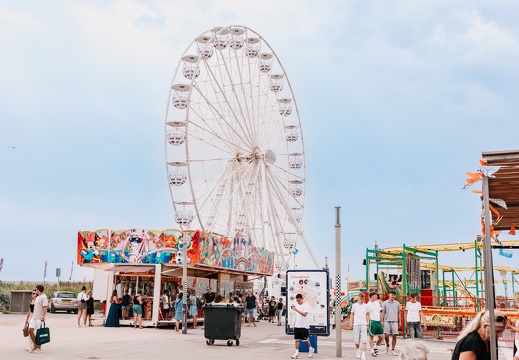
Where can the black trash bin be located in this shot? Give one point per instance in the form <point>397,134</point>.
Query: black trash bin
<point>222,322</point>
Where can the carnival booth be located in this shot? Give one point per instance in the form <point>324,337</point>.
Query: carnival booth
<point>150,261</point>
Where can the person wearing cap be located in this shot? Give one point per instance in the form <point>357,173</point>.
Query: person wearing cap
<point>82,306</point>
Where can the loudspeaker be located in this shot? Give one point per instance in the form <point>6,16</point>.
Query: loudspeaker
<point>375,275</point>
<point>364,262</point>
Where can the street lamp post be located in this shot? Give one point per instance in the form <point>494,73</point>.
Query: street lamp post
<point>184,219</point>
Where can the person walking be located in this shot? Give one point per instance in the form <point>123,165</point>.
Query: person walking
<point>178,311</point>
<point>414,317</point>
<point>112,319</point>
<point>375,327</point>
<point>474,340</point>
<point>301,326</point>
<point>137,310</point>
<point>29,318</point>
<point>360,320</point>
<point>90,307</point>
<point>250,305</point>
<point>280,307</point>
<point>81,306</point>
<point>272,309</point>
<point>391,320</point>
<point>40,310</point>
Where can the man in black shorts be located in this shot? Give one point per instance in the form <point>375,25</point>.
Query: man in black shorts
<point>301,326</point>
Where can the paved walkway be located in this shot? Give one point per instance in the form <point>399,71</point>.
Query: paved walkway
<point>266,340</point>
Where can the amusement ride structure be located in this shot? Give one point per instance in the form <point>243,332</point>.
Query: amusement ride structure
<point>234,146</point>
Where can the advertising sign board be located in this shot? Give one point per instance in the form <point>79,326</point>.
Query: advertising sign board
<point>314,285</point>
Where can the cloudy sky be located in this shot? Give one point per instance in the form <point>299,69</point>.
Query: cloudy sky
<point>397,101</point>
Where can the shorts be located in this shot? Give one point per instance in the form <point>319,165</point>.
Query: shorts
<point>34,324</point>
<point>251,312</point>
<point>137,309</point>
<point>81,305</point>
<point>375,328</point>
<point>124,307</point>
<point>391,327</point>
<point>360,334</point>
<point>300,334</point>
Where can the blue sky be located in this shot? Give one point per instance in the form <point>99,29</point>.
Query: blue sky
<point>397,101</point>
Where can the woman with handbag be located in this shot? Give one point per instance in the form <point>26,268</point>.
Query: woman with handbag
<point>81,306</point>
<point>27,319</point>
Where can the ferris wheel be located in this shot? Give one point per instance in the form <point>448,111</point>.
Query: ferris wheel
<point>235,156</point>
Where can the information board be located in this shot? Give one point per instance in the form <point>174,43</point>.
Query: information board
<point>314,285</point>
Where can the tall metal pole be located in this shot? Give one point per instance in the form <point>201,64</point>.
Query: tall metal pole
<point>185,306</point>
<point>488,274</point>
<point>338,329</point>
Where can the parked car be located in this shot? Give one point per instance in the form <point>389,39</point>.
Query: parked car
<point>63,301</point>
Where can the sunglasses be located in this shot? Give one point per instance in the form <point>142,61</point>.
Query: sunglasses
<point>501,319</point>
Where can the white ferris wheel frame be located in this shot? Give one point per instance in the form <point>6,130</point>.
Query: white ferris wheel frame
<point>224,121</point>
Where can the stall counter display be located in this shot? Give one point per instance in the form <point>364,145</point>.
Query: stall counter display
<point>147,307</point>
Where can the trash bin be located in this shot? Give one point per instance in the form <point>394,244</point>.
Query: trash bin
<point>222,322</point>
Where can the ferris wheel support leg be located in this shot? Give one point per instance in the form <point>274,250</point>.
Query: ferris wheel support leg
<point>292,217</point>
<point>274,220</point>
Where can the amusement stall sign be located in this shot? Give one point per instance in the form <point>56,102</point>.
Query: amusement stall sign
<point>314,285</point>
<point>140,246</point>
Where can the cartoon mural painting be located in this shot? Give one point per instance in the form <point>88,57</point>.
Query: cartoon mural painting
<point>90,246</point>
<point>156,247</point>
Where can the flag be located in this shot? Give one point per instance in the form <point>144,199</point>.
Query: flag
<point>71,270</point>
<point>1,263</point>
<point>506,254</point>
<point>295,251</point>
<point>45,270</point>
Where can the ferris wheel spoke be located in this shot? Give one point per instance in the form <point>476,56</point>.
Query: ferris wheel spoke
<point>218,114</point>
<point>220,90</point>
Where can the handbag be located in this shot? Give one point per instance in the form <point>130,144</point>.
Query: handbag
<point>284,312</point>
<point>25,330</point>
<point>42,334</point>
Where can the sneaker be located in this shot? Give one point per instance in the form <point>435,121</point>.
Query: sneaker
<point>387,349</point>
<point>295,356</point>
<point>37,350</point>
<point>393,353</point>
<point>374,354</point>
<point>28,348</point>
<point>358,354</point>
<point>311,352</point>
<point>375,350</point>
<point>363,356</point>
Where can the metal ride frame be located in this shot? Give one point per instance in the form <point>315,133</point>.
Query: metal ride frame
<point>444,303</point>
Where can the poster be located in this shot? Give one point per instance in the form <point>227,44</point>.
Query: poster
<point>314,286</point>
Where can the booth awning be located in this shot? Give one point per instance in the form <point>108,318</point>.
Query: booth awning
<point>131,268</point>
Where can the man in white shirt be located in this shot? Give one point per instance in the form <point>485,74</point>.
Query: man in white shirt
<point>375,327</point>
<point>360,320</point>
<point>40,310</point>
<point>301,326</point>
<point>414,317</point>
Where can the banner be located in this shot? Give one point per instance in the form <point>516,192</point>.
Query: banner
<point>140,246</point>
